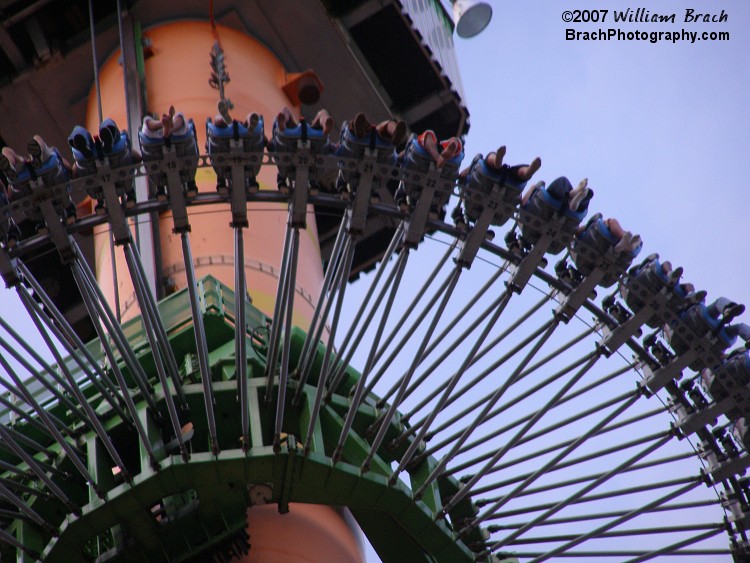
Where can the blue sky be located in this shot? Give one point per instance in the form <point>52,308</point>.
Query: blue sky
<point>659,129</point>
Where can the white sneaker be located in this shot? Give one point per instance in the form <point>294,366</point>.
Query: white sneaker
<point>578,194</point>
<point>635,242</point>
<point>624,243</point>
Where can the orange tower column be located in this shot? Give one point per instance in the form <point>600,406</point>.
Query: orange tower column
<point>177,74</point>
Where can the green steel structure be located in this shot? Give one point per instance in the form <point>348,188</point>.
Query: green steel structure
<point>170,487</point>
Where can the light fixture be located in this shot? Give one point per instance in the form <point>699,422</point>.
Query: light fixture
<point>470,17</point>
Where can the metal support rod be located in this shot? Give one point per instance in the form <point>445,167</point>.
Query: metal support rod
<point>620,553</point>
<point>343,265</point>
<point>10,496</point>
<point>584,458</point>
<point>64,333</point>
<point>326,368</point>
<point>322,307</point>
<point>359,388</point>
<point>385,420</point>
<point>530,509</point>
<point>201,345</point>
<point>581,492</point>
<point>575,481</point>
<point>505,406</point>
<point>497,432</point>
<point>87,282</point>
<point>96,320</point>
<point>466,411</point>
<point>21,438</point>
<point>551,463</point>
<point>512,328</point>
<point>278,312</point>
<point>339,367</point>
<point>672,549</point>
<point>42,321</point>
<point>98,310</point>
<point>579,415</point>
<point>714,527</point>
<point>601,515</point>
<point>550,329</point>
<point>25,489</point>
<point>33,422</point>
<point>608,496</point>
<point>555,354</point>
<point>498,304</point>
<point>240,334</point>
<point>19,473</point>
<point>32,353</point>
<point>46,383</point>
<point>150,309</point>
<point>490,347</point>
<point>95,60</point>
<point>428,283</point>
<point>11,540</point>
<point>395,241</point>
<point>37,470</point>
<point>287,343</point>
<point>630,515</point>
<point>427,422</point>
<point>121,33</point>
<point>157,348</point>
<point>511,424</point>
<point>342,283</point>
<point>466,488</point>
<point>404,340</point>
<point>92,418</point>
<point>115,282</point>
<point>480,294</point>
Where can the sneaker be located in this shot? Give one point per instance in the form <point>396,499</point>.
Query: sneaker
<point>732,310</point>
<point>451,148</point>
<point>38,150</point>
<point>623,245</point>
<point>360,126</point>
<point>635,244</point>
<point>399,133</point>
<point>674,276</point>
<point>80,141</point>
<point>582,185</point>
<point>11,162</point>
<point>694,297</point>
<point>7,168</point>
<point>578,194</point>
<point>108,140</point>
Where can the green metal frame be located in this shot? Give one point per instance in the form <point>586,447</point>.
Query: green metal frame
<point>182,510</point>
